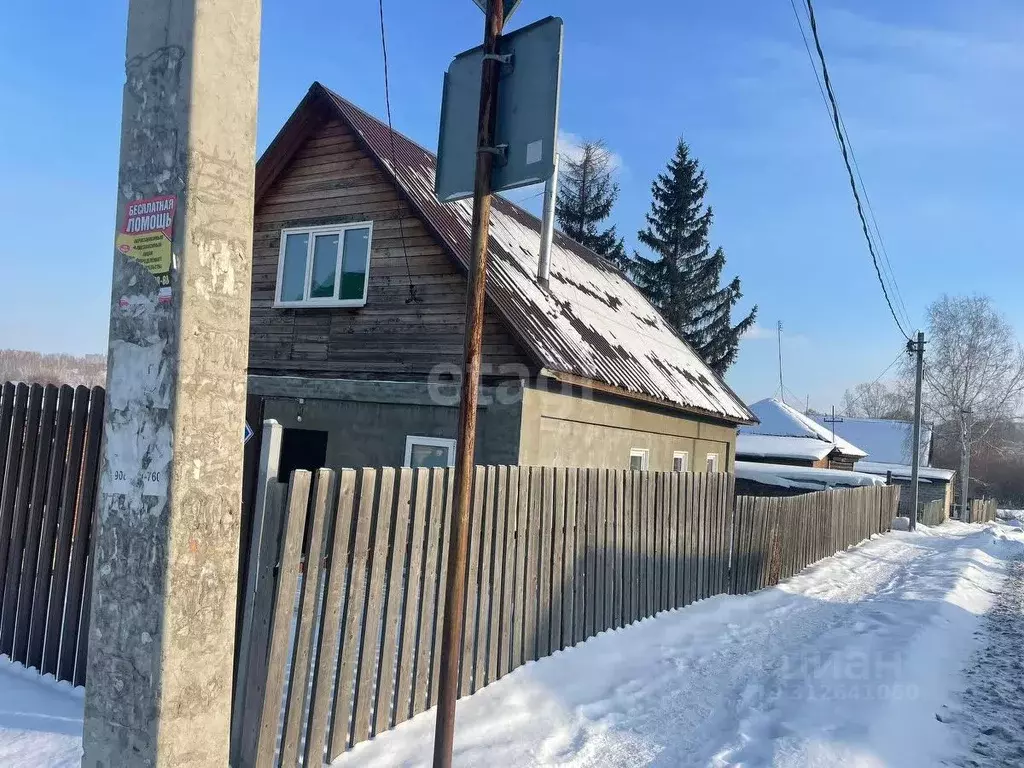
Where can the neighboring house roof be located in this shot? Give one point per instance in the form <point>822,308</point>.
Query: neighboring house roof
<point>778,418</point>
<point>593,323</point>
<point>885,440</point>
<point>903,471</point>
<point>810,478</point>
<point>776,447</point>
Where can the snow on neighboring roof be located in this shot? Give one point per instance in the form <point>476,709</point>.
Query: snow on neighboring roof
<point>592,323</point>
<point>811,478</point>
<point>903,471</point>
<point>776,446</point>
<point>885,440</point>
<point>778,418</point>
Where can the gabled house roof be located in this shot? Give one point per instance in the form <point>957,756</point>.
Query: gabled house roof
<point>886,441</point>
<point>781,420</point>
<point>591,326</point>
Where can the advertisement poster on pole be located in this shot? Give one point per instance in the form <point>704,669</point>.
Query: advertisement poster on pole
<point>146,234</point>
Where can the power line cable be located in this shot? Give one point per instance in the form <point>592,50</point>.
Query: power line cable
<point>413,297</point>
<point>837,125</point>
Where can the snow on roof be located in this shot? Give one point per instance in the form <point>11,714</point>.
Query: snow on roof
<point>592,322</point>
<point>903,471</point>
<point>811,478</point>
<point>775,446</point>
<point>778,418</point>
<point>885,440</point>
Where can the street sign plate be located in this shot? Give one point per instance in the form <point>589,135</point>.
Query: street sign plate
<point>510,6</point>
<point>527,120</point>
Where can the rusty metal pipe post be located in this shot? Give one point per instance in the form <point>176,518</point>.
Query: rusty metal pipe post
<point>455,592</point>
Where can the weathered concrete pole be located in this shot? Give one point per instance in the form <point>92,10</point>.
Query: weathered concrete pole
<point>166,556</point>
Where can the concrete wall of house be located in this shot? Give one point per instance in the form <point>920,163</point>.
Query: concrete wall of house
<point>570,429</point>
<point>368,428</point>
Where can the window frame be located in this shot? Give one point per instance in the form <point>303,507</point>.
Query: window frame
<point>712,460</point>
<point>685,456</point>
<point>437,442</point>
<point>645,456</point>
<point>313,232</point>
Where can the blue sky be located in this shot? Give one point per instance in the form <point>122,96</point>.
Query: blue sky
<point>929,93</point>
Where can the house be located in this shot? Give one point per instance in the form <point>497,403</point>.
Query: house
<point>784,435</point>
<point>889,447</point>
<point>357,323</point>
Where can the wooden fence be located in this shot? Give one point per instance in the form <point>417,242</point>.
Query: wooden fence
<point>350,645</point>
<point>49,454</point>
<point>776,537</point>
<point>983,510</point>
<point>933,512</point>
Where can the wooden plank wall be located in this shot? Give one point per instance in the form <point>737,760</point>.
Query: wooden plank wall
<point>776,537</point>
<point>555,556</point>
<point>49,464</point>
<point>983,510</point>
<point>332,180</point>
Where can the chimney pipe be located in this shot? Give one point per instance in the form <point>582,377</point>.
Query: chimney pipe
<point>547,227</point>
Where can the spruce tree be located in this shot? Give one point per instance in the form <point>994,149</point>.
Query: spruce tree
<point>586,193</point>
<point>684,280</point>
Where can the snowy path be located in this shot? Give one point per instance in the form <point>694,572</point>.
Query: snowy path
<point>848,663</point>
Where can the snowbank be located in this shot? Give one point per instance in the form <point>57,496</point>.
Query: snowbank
<point>40,719</point>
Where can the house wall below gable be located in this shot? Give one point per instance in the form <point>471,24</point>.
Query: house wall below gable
<point>584,429</point>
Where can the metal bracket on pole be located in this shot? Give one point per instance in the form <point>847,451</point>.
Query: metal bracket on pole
<point>507,61</point>
<point>500,153</point>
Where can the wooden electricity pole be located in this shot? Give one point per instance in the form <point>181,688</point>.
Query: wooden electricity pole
<point>455,594</point>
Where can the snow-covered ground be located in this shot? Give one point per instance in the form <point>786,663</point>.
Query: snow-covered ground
<point>40,719</point>
<point>905,651</point>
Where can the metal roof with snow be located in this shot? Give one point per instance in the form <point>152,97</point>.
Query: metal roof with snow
<point>592,322</point>
<point>782,420</point>
<point>778,447</point>
<point>809,478</point>
<point>886,440</point>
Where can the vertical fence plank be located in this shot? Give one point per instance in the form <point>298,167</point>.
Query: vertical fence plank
<point>519,584</point>
<point>701,514</point>
<point>355,610</point>
<point>589,600</point>
<point>600,544</point>
<point>533,564</point>
<point>619,566</point>
<point>395,579</point>
<point>12,473</point>
<point>497,583</point>
<point>449,510</point>
<point>628,549</point>
<point>15,543</point>
<point>415,611</point>
<point>370,657</point>
<point>307,618</point>
<point>281,623</point>
<point>467,657</point>
<point>608,550</point>
<point>569,561</point>
<point>657,541</point>
<point>485,537</point>
<point>544,606</point>
<point>82,535</point>
<point>715,507</point>
<point>729,538</point>
<point>65,524</point>
<point>23,605</point>
<point>557,557</point>
<point>673,540</point>
<point>579,611</point>
<point>6,415</point>
<point>434,483</point>
<point>509,585</point>
<point>336,570</point>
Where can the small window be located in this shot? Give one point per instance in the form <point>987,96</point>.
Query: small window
<point>429,451</point>
<point>681,461</point>
<point>712,462</point>
<point>324,266</point>
<point>638,458</point>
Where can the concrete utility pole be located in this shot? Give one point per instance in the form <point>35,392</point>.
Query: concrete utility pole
<point>455,591</point>
<point>965,464</point>
<point>915,462</point>
<point>166,555</point>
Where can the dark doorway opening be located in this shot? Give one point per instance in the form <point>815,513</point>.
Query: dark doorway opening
<point>302,449</point>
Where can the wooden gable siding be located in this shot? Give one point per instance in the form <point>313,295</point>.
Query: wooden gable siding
<point>332,180</point>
